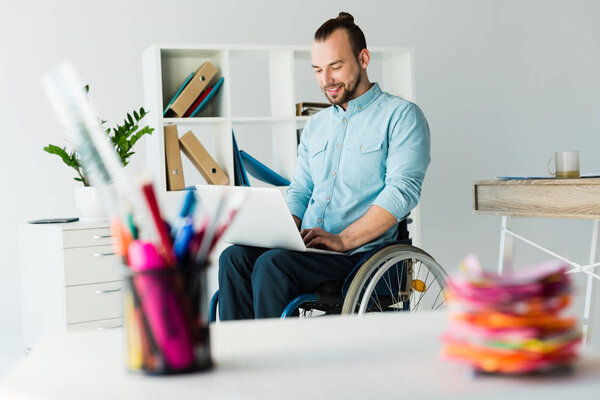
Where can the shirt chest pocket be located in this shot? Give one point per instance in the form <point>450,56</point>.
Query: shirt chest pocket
<point>316,160</point>
<point>363,162</point>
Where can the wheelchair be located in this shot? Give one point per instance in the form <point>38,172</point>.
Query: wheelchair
<point>396,277</point>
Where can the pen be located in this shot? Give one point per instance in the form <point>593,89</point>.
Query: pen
<point>181,244</point>
<point>187,209</point>
<point>159,224</point>
<point>196,240</point>
<point>132,227</point>
<point>121,238</point>
<point>135,352</point>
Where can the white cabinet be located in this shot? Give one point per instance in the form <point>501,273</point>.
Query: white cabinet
<point>257,101</point>
<point>70,279</point>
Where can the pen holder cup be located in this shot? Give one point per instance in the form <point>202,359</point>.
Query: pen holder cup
<point>166,320</point>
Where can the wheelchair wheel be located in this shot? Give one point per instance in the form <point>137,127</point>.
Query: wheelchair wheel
<point>397,278</point>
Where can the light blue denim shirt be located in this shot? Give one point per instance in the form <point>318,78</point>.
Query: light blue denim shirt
<point>375,152</point>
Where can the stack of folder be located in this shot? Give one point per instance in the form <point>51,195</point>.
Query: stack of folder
<point>511,324</point>
<point>193,149</point>
<point>194,93</point>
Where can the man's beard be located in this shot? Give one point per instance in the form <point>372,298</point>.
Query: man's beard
<point>347,92</point>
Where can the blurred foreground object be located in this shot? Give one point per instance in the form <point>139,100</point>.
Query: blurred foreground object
<point>511,323</point>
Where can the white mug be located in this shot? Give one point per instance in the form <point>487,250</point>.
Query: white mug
<point>567,164</point>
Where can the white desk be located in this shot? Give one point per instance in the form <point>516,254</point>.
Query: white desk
<point>375,357</point>
<point>544,198</point>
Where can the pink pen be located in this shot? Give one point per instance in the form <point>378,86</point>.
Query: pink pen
<point>161,299</point>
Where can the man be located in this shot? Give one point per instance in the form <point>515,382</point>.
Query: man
<point>361,164</point>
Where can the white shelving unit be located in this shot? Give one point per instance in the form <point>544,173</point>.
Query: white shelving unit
<point>257,101</point>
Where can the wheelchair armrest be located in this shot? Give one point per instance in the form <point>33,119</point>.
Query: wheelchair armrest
<point>212,308</point>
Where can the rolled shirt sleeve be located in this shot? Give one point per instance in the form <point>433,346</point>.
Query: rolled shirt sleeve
<point>406,163</point>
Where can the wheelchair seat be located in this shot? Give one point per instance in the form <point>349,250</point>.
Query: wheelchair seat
<point>394,277</point>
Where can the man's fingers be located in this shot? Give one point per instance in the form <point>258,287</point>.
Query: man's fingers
<point>317,242</point>
<point>308,234</point>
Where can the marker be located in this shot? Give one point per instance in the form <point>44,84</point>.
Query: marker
<point>121,237</point>
<point>187,209</point>
<point>159,224</point>
<point>132,227</point>
<point>181,244</point>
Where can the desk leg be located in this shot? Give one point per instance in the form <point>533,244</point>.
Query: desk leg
<point>507,247</point>
<point>589,290</point>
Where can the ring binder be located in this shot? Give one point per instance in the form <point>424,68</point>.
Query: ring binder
<point>175,179</point>
<point>202,160</point>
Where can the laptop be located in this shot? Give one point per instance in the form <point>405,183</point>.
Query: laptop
<point>264,219</point>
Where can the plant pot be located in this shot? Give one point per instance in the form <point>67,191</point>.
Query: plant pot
<point>88,201</point>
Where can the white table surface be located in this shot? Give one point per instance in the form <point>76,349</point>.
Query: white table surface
<point>378,357</point>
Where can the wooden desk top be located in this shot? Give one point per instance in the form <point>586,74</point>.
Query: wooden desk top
<point>375,357</point>
<point>550,198</point>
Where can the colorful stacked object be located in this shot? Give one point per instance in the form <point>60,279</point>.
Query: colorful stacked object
<point>511,323</point>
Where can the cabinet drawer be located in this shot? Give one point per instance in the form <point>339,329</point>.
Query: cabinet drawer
<point>93,302</point>
<point>86,237</point>
<point>103,324</point>
<point>91,265</point>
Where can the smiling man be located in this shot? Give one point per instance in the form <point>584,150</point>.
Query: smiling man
<point>361,164</point>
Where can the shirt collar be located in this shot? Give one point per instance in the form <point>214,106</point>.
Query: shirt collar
<point>362,101</point>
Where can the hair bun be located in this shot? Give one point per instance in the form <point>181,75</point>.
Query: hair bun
<point>345,16</point>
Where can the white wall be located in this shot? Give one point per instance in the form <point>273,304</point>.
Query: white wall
<point>502,83</point>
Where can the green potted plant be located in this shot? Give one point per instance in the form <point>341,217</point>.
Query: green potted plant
<point>123,137</point>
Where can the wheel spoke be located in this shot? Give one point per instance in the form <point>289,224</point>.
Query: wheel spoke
<point>439,306</point>
<point>439,292</point>
<point>377,302</point>
<point>422,294</point>
<point>436,299</point>
<point>399,281</point>
<point>389,286</point>
<point>419,270</point>
<point>426,287</point>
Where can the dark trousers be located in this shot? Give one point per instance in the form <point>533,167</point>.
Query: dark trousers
<point>255,282</point>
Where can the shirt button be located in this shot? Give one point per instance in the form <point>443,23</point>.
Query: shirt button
<point>360,108</point>
<point>337,146</point>
<point>327,197</point>
<point>333,173</point>
<point>362,148</point>
<point>345,120</point>
<point>319,220</point>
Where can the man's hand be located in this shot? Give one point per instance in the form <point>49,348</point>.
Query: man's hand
<point>321,239</point>
<point>373,224</point>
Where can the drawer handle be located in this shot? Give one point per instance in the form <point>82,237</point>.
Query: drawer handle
<point>105,328</point>
<point>104,254</point>
<point>101,236</point>
<point>108,291</point>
